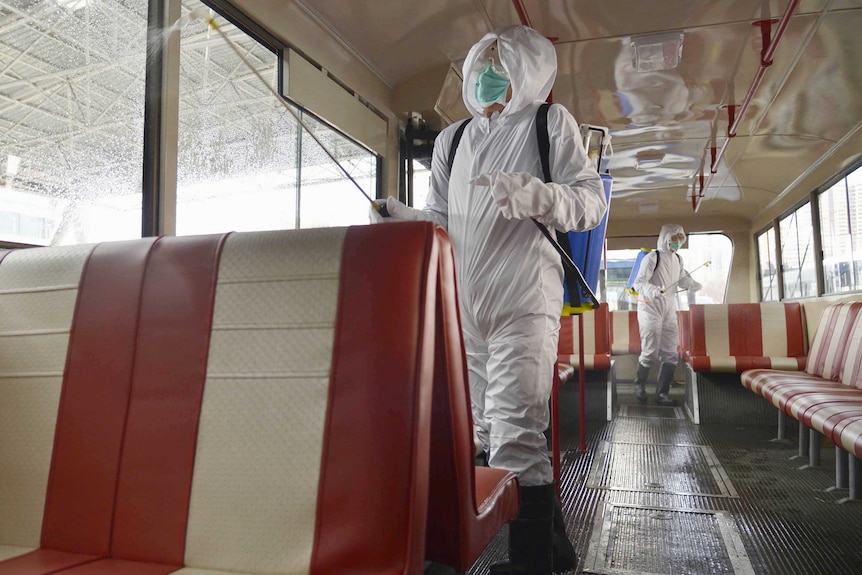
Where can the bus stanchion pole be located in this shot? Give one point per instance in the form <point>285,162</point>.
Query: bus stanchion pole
<point>582,424</point>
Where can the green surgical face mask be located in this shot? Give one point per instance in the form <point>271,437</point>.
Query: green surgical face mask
<point>675,245</point>
<point>491,87</point>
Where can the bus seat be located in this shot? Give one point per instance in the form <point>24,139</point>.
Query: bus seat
<point>625,337</point>
<point>597,343</point>
<point>827,396</point>
<point>68,319</point>
<point>254,375</point>
<point>736,337</point>
<point>467,505</point>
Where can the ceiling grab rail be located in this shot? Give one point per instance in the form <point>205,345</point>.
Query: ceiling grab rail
<point>734,112</point>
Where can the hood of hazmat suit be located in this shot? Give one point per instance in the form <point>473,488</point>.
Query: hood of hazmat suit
<point>667,232</point>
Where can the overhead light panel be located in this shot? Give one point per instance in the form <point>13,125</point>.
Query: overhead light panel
<point>12,164</point>
<point>648,207</point>
<point>648,159</point>
<point>73,4</point>
<point>656,52</point>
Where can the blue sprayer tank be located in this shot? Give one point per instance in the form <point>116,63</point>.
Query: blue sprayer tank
<point>587,246</point>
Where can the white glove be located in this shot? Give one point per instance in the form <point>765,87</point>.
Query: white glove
<point>696,287</point>
<point>518,195</point>
<point>654,292</point>
<point>398,212</point>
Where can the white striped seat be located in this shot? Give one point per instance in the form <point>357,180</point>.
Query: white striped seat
<point>215,404</point>
<point>736,337</point>
<point>827,396</point>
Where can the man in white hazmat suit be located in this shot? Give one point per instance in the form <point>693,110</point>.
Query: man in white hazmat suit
<point>660,275</point>
<point>510,278</point>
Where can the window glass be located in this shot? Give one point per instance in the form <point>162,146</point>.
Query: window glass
<point>797,254</point>
<point>707,257</point>
<point>421,185</point>
<point>327,196</point>
<point>768,266</point>
<point>71,126</point>
<point>840,219</point>
<point>618,268</point>
<point>244,162</point>
<point>236,153</point>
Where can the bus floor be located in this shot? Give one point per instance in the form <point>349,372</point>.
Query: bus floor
<point>655,494</point>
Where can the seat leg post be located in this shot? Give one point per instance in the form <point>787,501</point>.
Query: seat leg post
<point>854,479</point>
<point>555,430</point>
<point>841,468</point>
<point>802,450</point>
<point>813,448</point>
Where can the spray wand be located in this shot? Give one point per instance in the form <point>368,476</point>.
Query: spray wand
<point>202,14</point>
<point>687,274</point>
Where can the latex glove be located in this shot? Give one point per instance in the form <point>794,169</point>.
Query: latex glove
<point>518,195</point>
<point>696,287</point>
<point>398,212</point>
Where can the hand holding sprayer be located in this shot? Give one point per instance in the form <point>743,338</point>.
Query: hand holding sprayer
<point>687,274</point>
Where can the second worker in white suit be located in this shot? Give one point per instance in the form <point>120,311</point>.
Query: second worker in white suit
<point>510,278</point>
<point>660,275</point>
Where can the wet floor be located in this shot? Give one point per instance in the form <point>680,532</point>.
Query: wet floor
<point>655,494</point>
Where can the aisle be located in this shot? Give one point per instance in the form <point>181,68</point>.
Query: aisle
<point>655,494</point>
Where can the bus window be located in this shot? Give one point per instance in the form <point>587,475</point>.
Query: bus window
<point>707,257</point>
<point>768,266</point>
<point>618,268</point>
<point>840,220</point>
<point>244,162</point>
<point>797,254</point>
<point>72,137</point>
<point>326,196</point>
<point>421,185</point>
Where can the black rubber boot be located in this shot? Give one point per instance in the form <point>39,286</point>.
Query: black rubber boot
<point>665,374</point>
<point>530,534</point>
<point>640,382</point>
<point>563,556</point>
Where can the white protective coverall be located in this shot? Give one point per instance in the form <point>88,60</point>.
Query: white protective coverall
<point>657,311</point>
<point>510,278</point>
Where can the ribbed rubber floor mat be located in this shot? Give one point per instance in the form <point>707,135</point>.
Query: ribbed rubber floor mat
<point>656,430</point>
<point>680,469</point>
<point>651,411</point>
<point>786,521</point>
<point>642,540</point>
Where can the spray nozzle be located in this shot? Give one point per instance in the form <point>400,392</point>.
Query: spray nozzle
<point>199,14</point>
<point>381,208</point>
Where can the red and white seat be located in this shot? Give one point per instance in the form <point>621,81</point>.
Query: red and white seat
<point>216,404</point>
<point>735,337</point>
<point>827,396</point>
<point>467,505</point>
<point>625,335</point>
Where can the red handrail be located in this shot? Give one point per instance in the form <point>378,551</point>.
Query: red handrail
<point>735,113</point>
